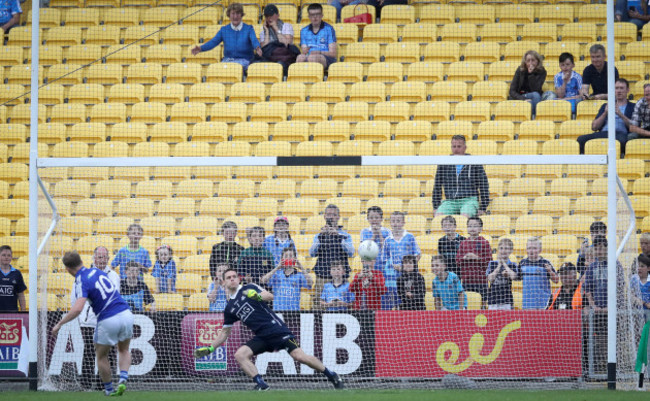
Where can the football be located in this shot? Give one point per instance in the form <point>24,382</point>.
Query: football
<point>368,250</point>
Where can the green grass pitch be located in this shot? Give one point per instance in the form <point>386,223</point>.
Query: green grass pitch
<point>347,395</point>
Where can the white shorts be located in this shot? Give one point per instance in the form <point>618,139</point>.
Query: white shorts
<point>114,329</point>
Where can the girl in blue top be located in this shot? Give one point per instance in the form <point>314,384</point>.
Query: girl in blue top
<point>165,269</point>
<point>239,40</point>
<point>217,291</point>
<point>280,240</point>
<point>286,281</point>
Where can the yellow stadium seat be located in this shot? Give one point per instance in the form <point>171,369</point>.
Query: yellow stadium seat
<point>15,172</point>
<point>198,264</point>
<point>630,168</point>
<point>346,72</point>
<point>636,51</point>
<point>63,36</point>
<point>554,206</point>
<point>113,189</point>
<point>172,174</point>
<point>225,73</point>
<point>155,189</point>
<point>176,207</point>
<point>126,93</point>
<point>48,55</point>
<point>88,132</point>
<point>560,244</point>
<point>356,147</point>
<point>128,132</point>
<point>398,14</point>
<point>588,109</point>
<point>633,71</point>
<point>497,131</point>
<point>199,226</point>
<point>474,111</point>
<point>372,131</point>
<point>117,55</point>
<point>402,52</point>
<point>104,35</point>
<point>514,52</point>
<point>14,209</point>
<point>188,112</point>
<point>148,113</point>
<point>159,16</point>
<point>151,149</point>
<point>135,207</point>
<point>145,35</point>
<point>13,133</point>
<point>191,149</point>
<point>315,148</point>
<point>255,173</point>
<point>560,147</point>
<point>184,35</point>
<point>396,148</point>
<point>305,72</point>
<point>48,17</point>
<point>232,149</point>
<point>237,188</point>
<point>553,50</point>
<point>512,110</point>
<point>278,188</point>
<point>432,111</point>
<point>70,149</point>
<point>346,33</point>
<point>247,92</point>
<point>198,302</point>
<point>59,283</point>
<point>195,188</point>
<point>120,17</point>
<point>640,204</point>
<point>269,112</point>
<point>363,188</point>
<point>413,131</point>
<point>458,32</point>
<point>474,300</point>
<point>595,206</point>
<point>189,283</point>
<point>520,147</point>
<point>20,152</point>
<point>50,95</point>
<point>443,52</point>
<point>144,73</point>
<point>166,93</point>
<point>599,147</point>
<point>527,187</point>
<point>264,72</point>
<point>405,91</point>
<point>571,130</point>
<point>363,52</point>
<point>420,33</point>
<point>221,207</point>
<point>82,54</point>
<point>571,187</point>
<point>159,226</point>
<point>534,224</point>
<point>259,207</point>
<point>228,112</point>
<point>21,114</point>
<point>113,225</point>
<point>380,33</point>
<point>331,131</point>
<point>86,94</point>
<point>76,226</point>
<point>22,74</point>
<point>501,70</point>
<point>482,147</point>
<point>438,14</point>
<point>405,188</point>
<point>392,111</point>
<point>637,149</point>
<point>288,92</point>
<point>388,72</point>
<point>540,32</point>
<point>449,91</point>
<point>352,111</point>
<point>207,93</point>
<point>556,13</point>
<point>554,110</point>
<point>108,113</point>
<point>596,13</point>
<point>503,171</point>
<point>427,72</point>
<point>382,174</point>
<point>503,32</point>
<point>583,32</point>
<point>291,131</point>
<point>318,188</point>
<point>489,91</point>
<point>168,302</point>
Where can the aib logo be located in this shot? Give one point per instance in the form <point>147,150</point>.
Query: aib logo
<point>448,352</point>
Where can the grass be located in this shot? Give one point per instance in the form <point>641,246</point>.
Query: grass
<point>349,395</point>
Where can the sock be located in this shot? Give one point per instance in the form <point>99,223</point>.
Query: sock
<point>124,376</point>
<point>258,379</point>
<point>328,373</point>
<point>108,387</point>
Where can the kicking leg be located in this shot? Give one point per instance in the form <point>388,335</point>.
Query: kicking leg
<point>243,357</point>
<point>299,355</point>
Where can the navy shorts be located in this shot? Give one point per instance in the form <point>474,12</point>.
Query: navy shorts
<point>261,345</point>
<point>330,60</point>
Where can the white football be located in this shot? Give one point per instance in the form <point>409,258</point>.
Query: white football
<point>368,250</point>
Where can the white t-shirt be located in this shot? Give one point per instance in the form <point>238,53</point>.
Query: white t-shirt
<point>287,29</point>
<point>87,317</point>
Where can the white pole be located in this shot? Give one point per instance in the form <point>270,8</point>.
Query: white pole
<point>33,204</point>
<point>611,200</point>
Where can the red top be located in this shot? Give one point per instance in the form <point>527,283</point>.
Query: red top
<point>368,297</point>
<point>472,271</point>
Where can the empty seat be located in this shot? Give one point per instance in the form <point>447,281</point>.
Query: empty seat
<point>362,52</point>
<point>554,206</point>
<point>305,72</point>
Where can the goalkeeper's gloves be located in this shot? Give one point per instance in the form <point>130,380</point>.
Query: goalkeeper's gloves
<point>203,351</point>
<point>252,294</point>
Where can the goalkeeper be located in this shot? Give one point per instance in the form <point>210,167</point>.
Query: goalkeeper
<point>248,303</point>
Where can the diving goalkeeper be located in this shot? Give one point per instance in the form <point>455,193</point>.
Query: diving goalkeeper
<point>248,303</point>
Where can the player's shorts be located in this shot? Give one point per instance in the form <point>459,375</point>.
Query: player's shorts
<point>261,345</point>
<point>467,206</point>
<point>114,329</point>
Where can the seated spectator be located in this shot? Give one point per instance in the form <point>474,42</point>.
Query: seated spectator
<point>255,261</point>
<point>10,12</point>
<point>165,269</point>
<point>567,82</point>
<point>623,119</point>
<point>399,244</point>
<point>318,39</point>
<point>280,240</point>
<point>240,44</point>
<point>135,291</point>
<point>12,284</point>
<point>339,4</point>
<point>640,122</point>
<point>336,294</point>
<point>569,296</point>
<point>276,39</point>
<point>368,287</point>
<point>379,4</point>
<point>500,274</point>
<point>594,75</point>
<point>473,257</point>
<point>132,252</point>
<point>448,292</point>
<point>217,291</point>
<point>376,232</point>
<point>528,80</point>
<point>227,251</point>
<point>286,281</point>
<point>536,273</point>
<point>632,14</point>
<point>449,243</point>
<point>410,285</point>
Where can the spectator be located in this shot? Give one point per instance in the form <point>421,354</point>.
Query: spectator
<point>164,270</point>
<point>88,321</point>
<point>596,228</point>
<point>379,4</point>
<point>623,119</point>
<point>569,296</point>
<point>567,82</point>
<point>536,273</point>
<point>255,261</point>
<point>399,244</point>
<point>240,44</point>
<point>217,291</point>
<point>640,123</point>
<point>594,75</point>
<point>276,39</point>
<point>318,39</point>
<point>474,255</point>
<point>286,281</point>
<point>410,285</point>
<point>339,4</point>
<point>596,276</point>
<point>463,185</point>
<point>528,80</point>
<point>449,243</point>
<point>331,244</point>
<point>277,242</point>
<point>227,251</point>
<point>376,232</point>
<point>336,295</point>
<point>640,286</point>
<point>12,285</point>
<point>631,14</point>
<point>448,292</point>
<point>500,274</point>
<point>135,291</point>
<point>132,252</point>
<point>9,15</point>
<point>368,286</point>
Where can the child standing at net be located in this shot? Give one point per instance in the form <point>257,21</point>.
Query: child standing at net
<point>448,244</point>
<point>448,292</point>
<point>336,294</point>
<point>280,240</point>
<point>536,273</point>
<point>132,252</point>
<point>165,269</point>
<point>216,290</point>
<point>286,280</point>
<point>227,251</point>
<point>368,286</point>
<point>473,257</point>
<point>377,233</point>
<point>500,274</point>
<point>255,261</point>
<point>135,291</point>
<point>410,285</point>
<point>397,245</point>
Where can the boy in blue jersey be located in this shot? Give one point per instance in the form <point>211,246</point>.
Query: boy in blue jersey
<point>318,39</point>
<point>114,319</point>
<point>286,280</point>
<point>448,292</point>
<point>248,304</point>
<point>376,232</point>
<point>132,252</point>
<point>336,295</point>
<point>12,284</point>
